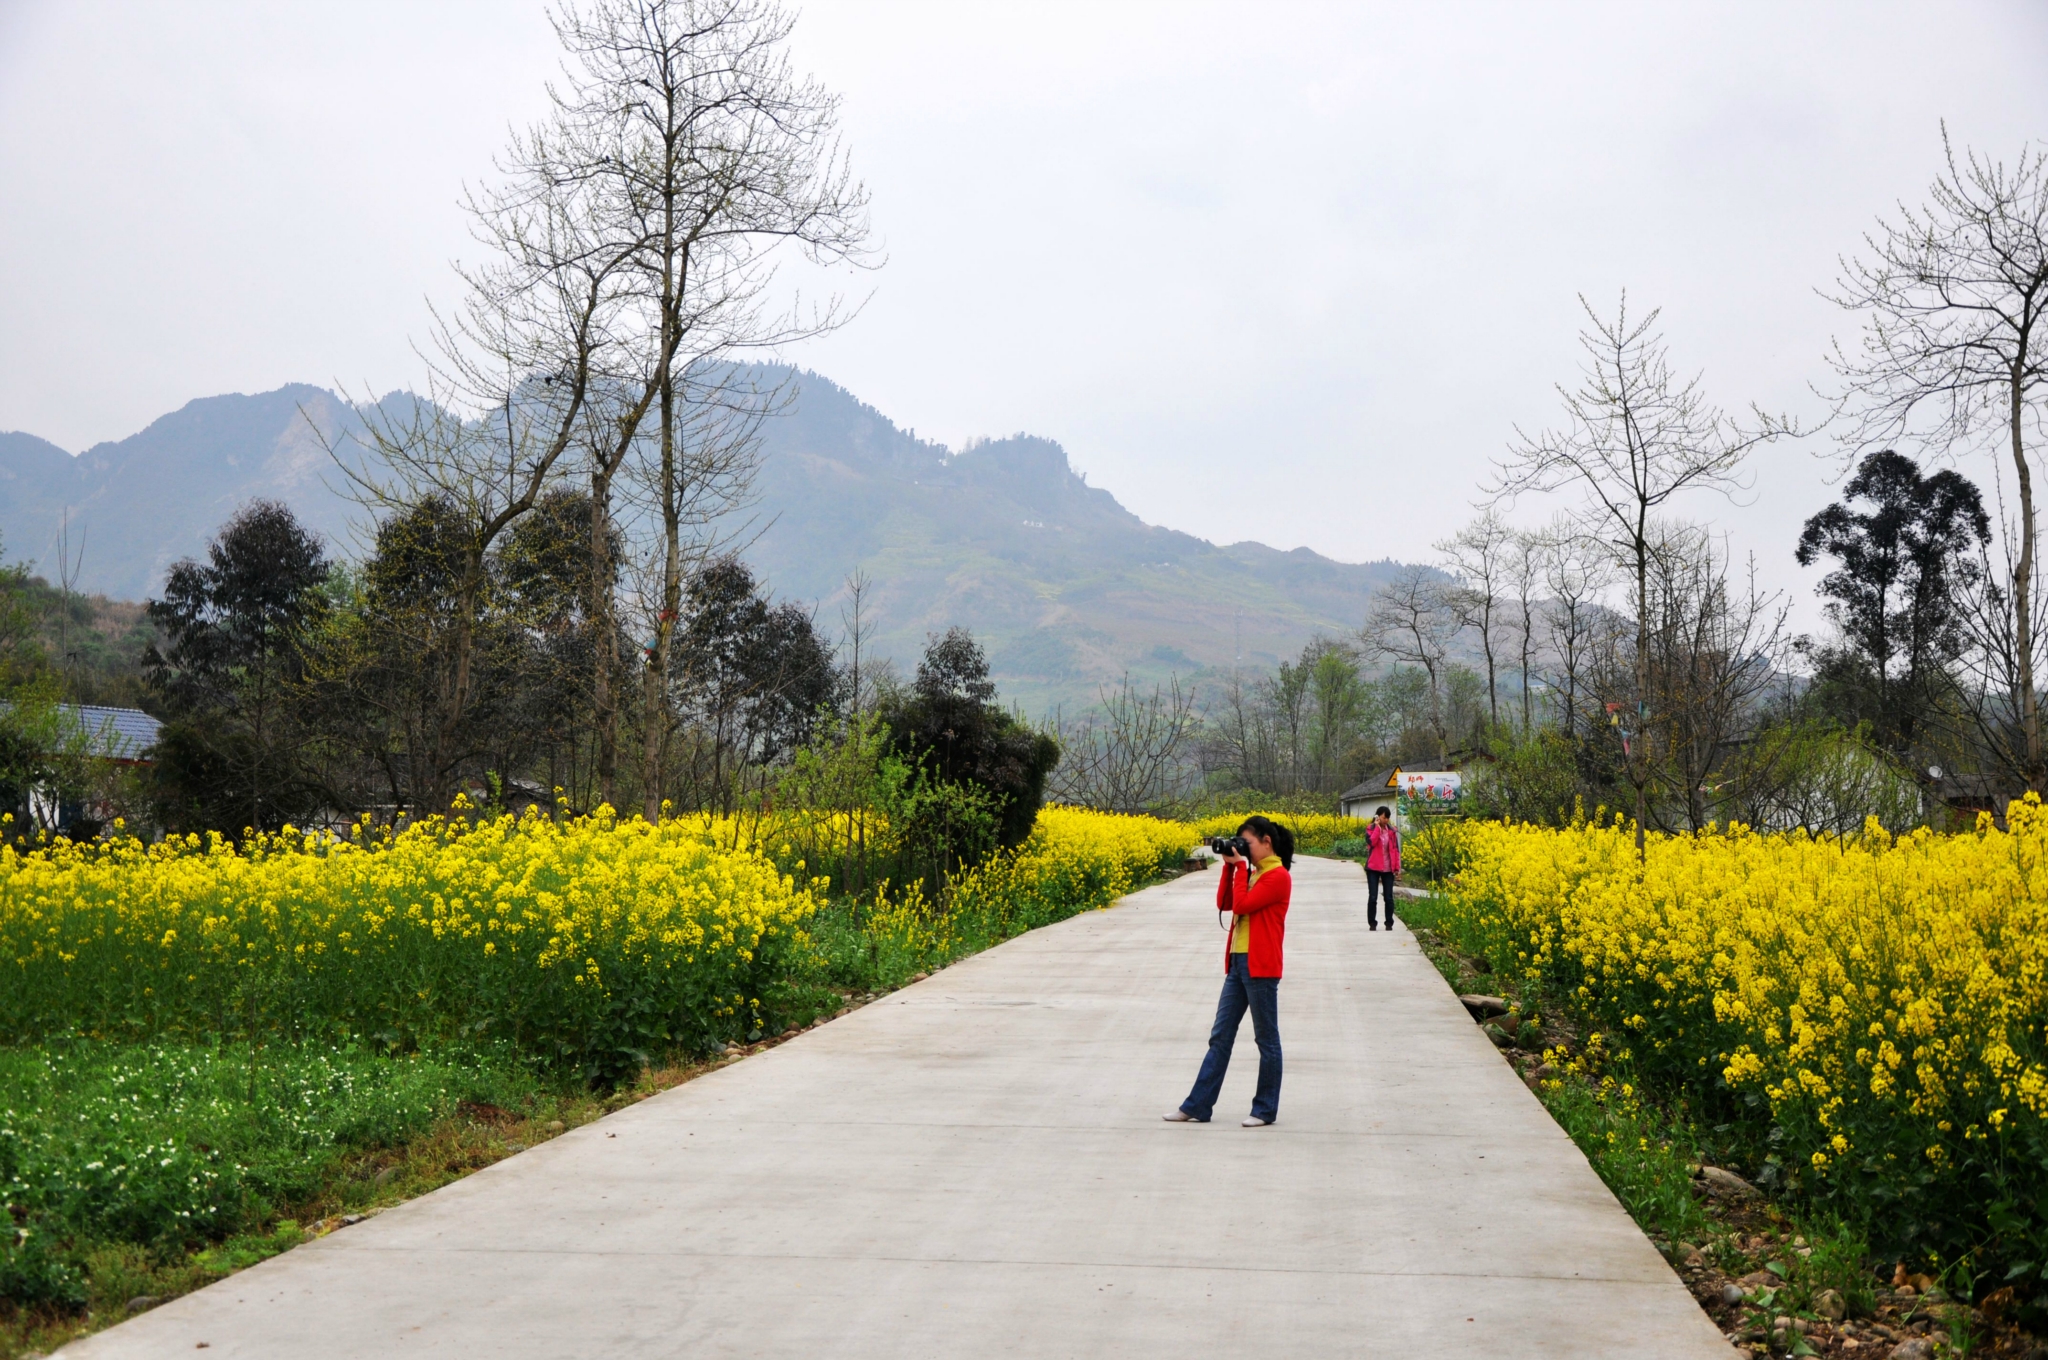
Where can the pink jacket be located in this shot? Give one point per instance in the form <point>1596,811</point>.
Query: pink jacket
<point>1386,849</point>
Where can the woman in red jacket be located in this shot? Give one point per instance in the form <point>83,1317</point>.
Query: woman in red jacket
<point>1254,891</point>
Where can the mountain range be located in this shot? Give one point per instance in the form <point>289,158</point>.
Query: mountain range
<point>1065,587</point>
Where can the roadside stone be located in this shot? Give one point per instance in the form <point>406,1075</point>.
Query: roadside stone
<point>1484,1007</point>
<point>1726,1184</point>
<point>350,1220</point>
<point>140,1303</point>
<point>1731,1294</point>
<point>1499,1037</point>
<point>1831,1305</point>
<point>384,1177</point>
<point>556,1126</point>
<point>1913,1348</point>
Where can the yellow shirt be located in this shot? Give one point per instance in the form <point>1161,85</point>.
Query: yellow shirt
<point>1241,933</point>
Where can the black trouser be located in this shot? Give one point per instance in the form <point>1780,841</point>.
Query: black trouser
<point>1378,881</point>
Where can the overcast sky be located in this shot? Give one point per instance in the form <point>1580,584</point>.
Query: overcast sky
<point>1284,272</point>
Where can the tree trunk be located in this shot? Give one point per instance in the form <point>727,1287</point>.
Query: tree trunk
<point>2023,587</point>
<point>604,704</point>
<point>1639,762</point>
<point>655,716</point>
<point>1492,671</point>
<point>436,795</point>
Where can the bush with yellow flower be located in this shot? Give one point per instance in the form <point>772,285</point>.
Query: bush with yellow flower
<point>1872,1011</point>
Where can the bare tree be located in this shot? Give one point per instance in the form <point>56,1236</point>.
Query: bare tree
<point>1998,654</point>
<point>1954,354</point>
<point>1241,742</point>
<point>510,384</point>
<point>705,473</point>
<point>1338,707</point>
<point>1635,436</point>
<point>1291,702</point>
<point>859,628</point>
<point>1576,572</point>
<point>1715,646</point>
<point>1479,555</point>
<point>1524,572</point>
<point>1411,620</point>
<point>697,153</point>
<point>1130,755</point>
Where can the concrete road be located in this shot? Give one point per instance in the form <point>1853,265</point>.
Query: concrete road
<point>976,1166</point>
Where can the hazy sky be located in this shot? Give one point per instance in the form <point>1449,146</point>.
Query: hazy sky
<point>1285,272</point>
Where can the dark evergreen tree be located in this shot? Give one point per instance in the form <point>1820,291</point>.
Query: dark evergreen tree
<point>949,724</point>
<point>1901,563</point>
<point>226,670</point>
<point>751,674</point>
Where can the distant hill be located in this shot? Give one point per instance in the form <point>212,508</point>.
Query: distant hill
<point>1064,586</point>
<point>141,503</point>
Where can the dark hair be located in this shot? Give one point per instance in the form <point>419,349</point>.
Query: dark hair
<point>1268,829</point>
<point>1382,810</point>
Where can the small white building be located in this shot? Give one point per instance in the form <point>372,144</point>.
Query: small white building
<point>1380,791</point>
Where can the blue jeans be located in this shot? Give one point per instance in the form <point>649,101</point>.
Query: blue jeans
<point>1241,992</point>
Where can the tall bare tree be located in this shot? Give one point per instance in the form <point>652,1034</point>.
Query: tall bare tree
<point>1576,573</point>
<point>512,374</point>
<point>1524,576</point>
<point>1480,555</point>
<point>1412,620</point>
<point>1131,753</point>
<point>1715,645</point>
<point>699,145</point>
<point>1954,354</point>
<point>1635,436</point>
<point>1243,744</point>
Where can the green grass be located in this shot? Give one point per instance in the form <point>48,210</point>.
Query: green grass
<point>145,1169</point>
<point>1645,1158</point>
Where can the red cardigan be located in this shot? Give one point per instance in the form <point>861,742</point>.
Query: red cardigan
<point>1265,903</point>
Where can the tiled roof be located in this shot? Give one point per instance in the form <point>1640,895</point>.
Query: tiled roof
<point>122,733</point>
<point>1378,786</point>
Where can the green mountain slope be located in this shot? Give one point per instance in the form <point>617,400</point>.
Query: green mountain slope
<point>1065,587</point>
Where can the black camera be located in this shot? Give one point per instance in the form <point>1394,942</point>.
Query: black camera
<point>1227,846</point>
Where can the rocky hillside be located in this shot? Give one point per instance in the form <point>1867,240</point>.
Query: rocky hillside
<point>1065,586</point>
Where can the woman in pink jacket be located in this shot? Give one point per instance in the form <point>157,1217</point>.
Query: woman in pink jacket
<point>1382,867</point>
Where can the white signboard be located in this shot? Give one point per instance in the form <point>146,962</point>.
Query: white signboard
<point>1430,786</point>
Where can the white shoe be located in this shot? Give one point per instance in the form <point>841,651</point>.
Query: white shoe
<point>1179,1117</point>
<point>1254,1122</point>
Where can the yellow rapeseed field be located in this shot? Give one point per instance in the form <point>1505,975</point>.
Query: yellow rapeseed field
<point>1875,1007</point>
<point>589,939</point>
<point>1313,832</point>
<point>592,940</point>
<point>1075,860</point>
